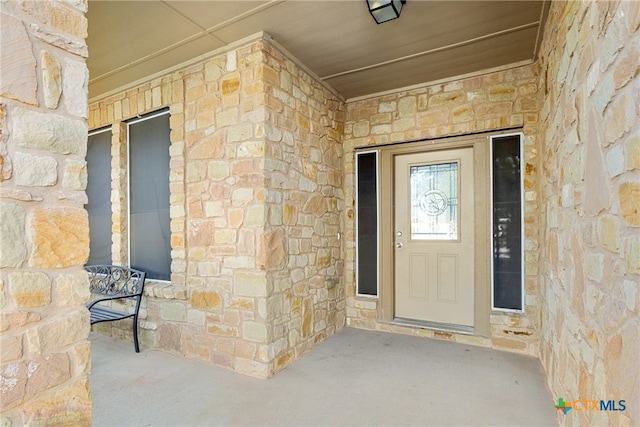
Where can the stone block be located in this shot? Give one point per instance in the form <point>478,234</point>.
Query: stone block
<point>230,84</point>
<point>49,132</point>
<point>632,254</point>
<point>632,152</point>
<point>239,133</point>
<point>630,289</point>
<point>223,331</point>
<point>307,318</point>
<point>629,196</point>
<point>250,284</point>
<point>225,236</point>
<point>30,289</point>
<point>227,118</point>
<point>66,329</point>
<point>173,311</point>
<point>447,99</point>
<point>609,232</point>
<point>251,367</point>
<point>594,266</point>
<point>508,344</point>
<point>35,171</point>
<point>13,251</point>
<point>502,92</point>
<point>272,250</point>
<point>249,148</point>
<point>17,63</point>
<point>256,332</point>
<point>69,405</point>
<point>361,129</point>
<point>10,347</point>
<point>17,319</point>
<point>51,79</point>
<point>171,338</point>
<point>218,169</point>
<point>75,175</point>
<point>60,237</point>
<point>255,216</point>
<point>206,300</point>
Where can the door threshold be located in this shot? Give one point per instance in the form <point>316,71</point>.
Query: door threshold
<point>423,324</point>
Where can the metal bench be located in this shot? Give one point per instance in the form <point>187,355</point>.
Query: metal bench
<point>112,287</point>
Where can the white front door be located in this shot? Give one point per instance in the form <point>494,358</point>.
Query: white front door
<point>434,236</point>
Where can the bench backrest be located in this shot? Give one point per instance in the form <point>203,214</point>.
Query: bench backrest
<point>115,281</point>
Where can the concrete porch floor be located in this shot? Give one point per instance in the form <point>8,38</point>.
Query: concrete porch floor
<point>355,377</point>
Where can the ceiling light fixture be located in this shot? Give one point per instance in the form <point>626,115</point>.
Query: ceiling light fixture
<point>385,10</point>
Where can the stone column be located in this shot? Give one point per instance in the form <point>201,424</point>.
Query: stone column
<point>44,232</point>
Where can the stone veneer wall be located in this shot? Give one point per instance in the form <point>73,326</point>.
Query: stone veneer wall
<point>591,207</point>
<point>498,100</point>
<point>44,351</point>
<point>255,180</point>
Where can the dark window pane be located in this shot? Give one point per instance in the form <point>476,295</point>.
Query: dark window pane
<point>507,223</point>
<point>367,208</point>
<point>150,248</point>
<point>99,197</point>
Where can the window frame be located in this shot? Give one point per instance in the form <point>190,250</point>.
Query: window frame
<point>139,119</point>
<point>91,133</point>
<point>520,135</point>
<point>357,243</point>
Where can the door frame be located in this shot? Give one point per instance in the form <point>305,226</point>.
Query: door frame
<point>482,244</point>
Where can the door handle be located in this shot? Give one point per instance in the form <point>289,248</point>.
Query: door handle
<point>399,245</point>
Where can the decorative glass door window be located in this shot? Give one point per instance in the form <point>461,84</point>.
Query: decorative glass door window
<point>434,201</point>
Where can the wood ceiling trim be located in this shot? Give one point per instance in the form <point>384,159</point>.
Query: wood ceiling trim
<point>435,50</point>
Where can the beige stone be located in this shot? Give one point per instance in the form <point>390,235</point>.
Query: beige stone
<point>632,151</point>
<point>13,251</point>
<point>35,171</point>
<point>72,289</point>
<point>231,84</point>
<point>316,205</point>
<point>447,99</point>
<point>256,332</point>
<point>10,347</point>
<point>632,250</point>
<point>51,79</point>
<point>30,289</point>
<point>250,284</point>
<point>17,319</point>
<point>595,180</point>
<point>307,318</point>
<point>67,328</point>
<point>502,92</point>
<point>255,215</point>
<point>206,300</point>
<point>173,311</point>
<point>60,237</point>
<point>69,406</point>
<point>629,194</point>
<point>75,81</point>
<point>272,251</point>
<point>17,63</point>
<point>49,132</point>
<point>75,175</point>
<point>59,16</point>
<point>609,232</point>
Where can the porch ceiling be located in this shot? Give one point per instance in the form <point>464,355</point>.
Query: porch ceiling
<point>337,40</point>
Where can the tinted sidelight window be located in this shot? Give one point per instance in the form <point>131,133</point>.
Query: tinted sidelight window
<point>367,223</point>
<point>99,196</point>
<point>149,234</point>
<point>507,223</point>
